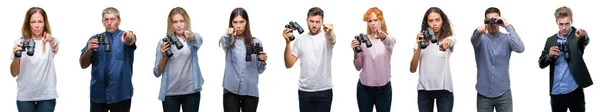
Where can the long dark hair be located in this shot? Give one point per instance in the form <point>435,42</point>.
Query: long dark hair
<point>246,34</point>
<point>446,29</point>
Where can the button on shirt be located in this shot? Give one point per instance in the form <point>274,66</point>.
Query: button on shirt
<point>241,76</point>
<point>563,80</point>
<point>111,71</point>
<point>492,55</point>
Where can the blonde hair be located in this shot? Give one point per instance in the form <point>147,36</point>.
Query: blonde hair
<point>562,12</point>
<point>379,15</point>
<point>186,17</point>
<point>26,32</point>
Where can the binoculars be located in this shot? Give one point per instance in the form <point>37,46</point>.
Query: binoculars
<point>256,49</point>
<point>362,38</point>
<point>428,34</point>
<point>103,40</point>
<point>493,21</point>
<point>294,26</point>
<point>563,47</point>
<point>26,45</point>
<point>172,40</point>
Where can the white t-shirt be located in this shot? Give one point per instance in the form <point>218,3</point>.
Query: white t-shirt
<point>434,68</point>
<point>37,77</point>
<point>180,72</point>
<point>314,53</point>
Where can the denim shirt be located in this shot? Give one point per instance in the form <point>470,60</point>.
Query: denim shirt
<point>241,76</point>
<point>111,71</point>
<point>492,55</point>
<point>194,45</point>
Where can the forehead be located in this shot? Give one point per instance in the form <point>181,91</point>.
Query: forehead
<point>563,20</point>
<point>490,15</point>
<point>109,15</point>
<point>37,16</point>
<point>315,18</point>
<point>433,15</point>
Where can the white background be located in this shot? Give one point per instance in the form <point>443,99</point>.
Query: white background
<point>74,21</point>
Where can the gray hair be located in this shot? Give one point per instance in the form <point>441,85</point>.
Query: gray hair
<point>111,10</point>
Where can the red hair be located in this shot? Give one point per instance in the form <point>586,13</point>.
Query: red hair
<point>379,15</point>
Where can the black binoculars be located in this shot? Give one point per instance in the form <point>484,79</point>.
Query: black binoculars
<point>102,39</point>
<point>255,49</point>
<point>362,38</point>
<point>294,26</point>
<point>172,40</point>
<point>563,47</point>
<point>428,34</point>
<point>26,45</point>
<point>493,21</point>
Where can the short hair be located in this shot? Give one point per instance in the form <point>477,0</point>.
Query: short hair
<point>111,10</point>
<point>492,10</point>
<point>562,12</point>
<point>315,11</point>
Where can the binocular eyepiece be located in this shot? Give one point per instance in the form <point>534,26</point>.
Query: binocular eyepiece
<point>294,26</point>
<point>26,45</point>
<point>172,40</point>
<point>428,34</point>
<point>103,40</point>
<point>255,49</point>
<point>493,21</point>
<point>362,38</point>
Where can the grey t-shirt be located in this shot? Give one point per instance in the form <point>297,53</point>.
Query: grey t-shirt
<point>180,79</point>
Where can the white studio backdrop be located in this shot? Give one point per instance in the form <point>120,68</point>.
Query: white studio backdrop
<point>74,21</point>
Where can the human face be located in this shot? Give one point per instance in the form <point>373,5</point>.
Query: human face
<point>37,24</point>
<point>492,28</point>
<point>564,25</point>
<point>314,24</point>
<point>374,23</point>
<point>111,22</point>
<point>434,21</point>
<point>239,24</point>
<point>178,24</point>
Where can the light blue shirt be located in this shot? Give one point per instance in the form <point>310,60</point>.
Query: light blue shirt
<point>563,80</point>
<point>492,55</point>
<point>193,45</point>
<point>241,76</point>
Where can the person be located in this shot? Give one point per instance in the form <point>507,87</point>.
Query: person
<point>112,65</point>
<point>433,61</point>
<point>563,52</point>
<point>492,55</point>
<point>314,50</point>
<point>34,66</point>
<point>182,80</point>
<point>244,61</point>
<point>374,86</point>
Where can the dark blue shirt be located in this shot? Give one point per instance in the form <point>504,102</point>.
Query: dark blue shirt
<point>111,71</point>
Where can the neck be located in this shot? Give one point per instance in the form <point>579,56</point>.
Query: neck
<point>179,35</point>
<point>36,37</point>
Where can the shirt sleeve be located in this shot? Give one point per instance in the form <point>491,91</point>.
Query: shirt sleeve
<point>12,55</point>
<point>157,60</point>
<point>197,42</point>
<point>389,42</point>
<point>295,49</point>
<point>260,66</point>
<point>57,44</point>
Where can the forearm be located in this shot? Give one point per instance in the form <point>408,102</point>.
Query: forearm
<point>161,66</point>
<point>288,57</point>
<point>357,62</point>
<point>476,39</point>
<point>414,63</point>
<point>15,67</point>
<point>196,41</point>
<point>85,59</point>
<point>261,67</point>
<point>516,43</point>
<point>330,38</point>
<point>226,41</point>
